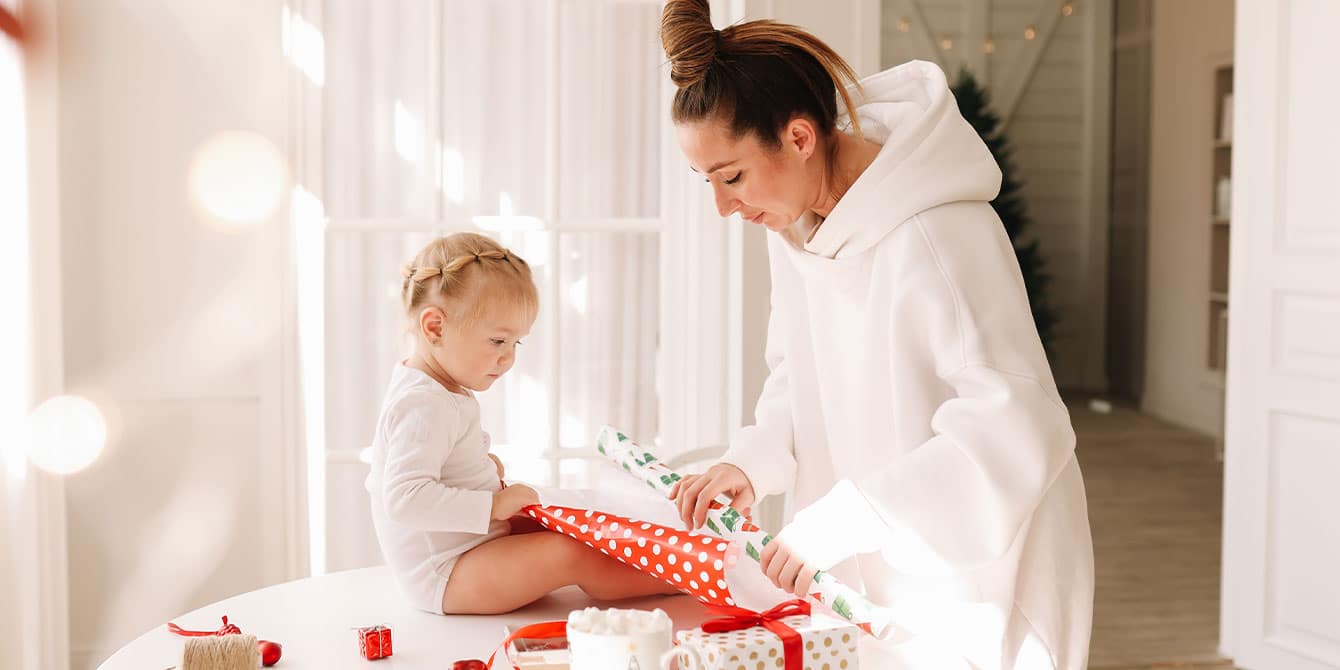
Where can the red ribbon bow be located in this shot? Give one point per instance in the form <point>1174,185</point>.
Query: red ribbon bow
<point>226,629</point>
<point>739,619</point>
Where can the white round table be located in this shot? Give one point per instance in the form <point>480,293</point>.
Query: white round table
<point>314,620</point>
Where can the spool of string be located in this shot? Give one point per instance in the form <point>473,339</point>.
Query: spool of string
<point>220,652</point>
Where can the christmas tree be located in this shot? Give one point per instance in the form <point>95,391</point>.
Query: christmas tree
<point>975,105</point>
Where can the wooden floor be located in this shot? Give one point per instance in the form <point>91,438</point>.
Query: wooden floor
<point>1155,506</point>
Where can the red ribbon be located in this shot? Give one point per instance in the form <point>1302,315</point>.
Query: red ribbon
<point>536,631</point>
<point>226,629</point>
<point>738,619</point>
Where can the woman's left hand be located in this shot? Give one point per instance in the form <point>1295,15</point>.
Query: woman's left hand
<point>499,465</point>
<point>785,569</point>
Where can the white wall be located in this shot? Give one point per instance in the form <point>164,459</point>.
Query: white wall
<point>173,326</point>
<point>1190,39</point>
<point>1059,136</point>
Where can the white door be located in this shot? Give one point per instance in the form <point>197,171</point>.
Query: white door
<point>1281,572</point>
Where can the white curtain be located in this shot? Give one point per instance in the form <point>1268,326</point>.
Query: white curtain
<point>434,113</point>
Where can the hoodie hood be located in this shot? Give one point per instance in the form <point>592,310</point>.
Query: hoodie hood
<point>931,156</point>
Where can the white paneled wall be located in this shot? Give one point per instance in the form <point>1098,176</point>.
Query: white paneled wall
<point>1058,132</point>
<point>173,326</point>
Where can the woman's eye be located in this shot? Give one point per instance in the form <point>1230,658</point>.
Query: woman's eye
<point>498,342</point>
<point>728,182</point>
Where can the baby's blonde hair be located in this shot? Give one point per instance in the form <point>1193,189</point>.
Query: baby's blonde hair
<point>466,274</point>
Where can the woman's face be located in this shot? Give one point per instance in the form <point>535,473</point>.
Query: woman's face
<point>771,187</point>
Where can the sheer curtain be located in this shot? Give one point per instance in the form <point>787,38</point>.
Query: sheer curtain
<point>537,123</point>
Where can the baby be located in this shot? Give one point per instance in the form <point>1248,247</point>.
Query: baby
<point>439,505</point>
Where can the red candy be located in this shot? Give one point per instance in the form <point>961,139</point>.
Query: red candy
<point>472,664</point>
<point>374,642</point>
<point>270,652</point>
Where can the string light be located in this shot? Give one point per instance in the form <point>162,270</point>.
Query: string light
<point>1030,33</point>
<point>946,43</point>
<point>989,46</point>
<point>1067,9</point>
<point>904,25</point>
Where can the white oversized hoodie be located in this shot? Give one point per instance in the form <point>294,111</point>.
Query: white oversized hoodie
<point>911,410</point>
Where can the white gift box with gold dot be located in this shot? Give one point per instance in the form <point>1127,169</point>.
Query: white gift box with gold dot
<point>827,643</point>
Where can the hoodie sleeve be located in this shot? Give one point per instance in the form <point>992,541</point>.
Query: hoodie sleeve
<point>961,498</point>
<point>420,436</point>
<point>765,450</point>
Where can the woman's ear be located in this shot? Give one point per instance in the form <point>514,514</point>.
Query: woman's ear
<point>432,322</point>
<point>800,136</point>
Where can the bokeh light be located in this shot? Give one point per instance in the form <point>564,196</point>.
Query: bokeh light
<point>238,179</point>
<point>66,434</point>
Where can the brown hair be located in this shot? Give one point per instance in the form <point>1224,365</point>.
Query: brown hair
<point>757,75</point>
<point>466,273</point>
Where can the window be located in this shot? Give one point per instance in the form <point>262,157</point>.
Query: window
<point>543,125</point>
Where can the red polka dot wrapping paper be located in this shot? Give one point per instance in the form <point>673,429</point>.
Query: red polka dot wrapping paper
<point>695,563</point>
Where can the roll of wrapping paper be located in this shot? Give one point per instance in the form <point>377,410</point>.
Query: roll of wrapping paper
<point>728,523</point>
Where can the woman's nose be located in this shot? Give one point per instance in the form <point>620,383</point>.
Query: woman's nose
<point>726,205</point>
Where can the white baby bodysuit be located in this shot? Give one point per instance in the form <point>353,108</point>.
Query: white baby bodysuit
<point>431,484</point>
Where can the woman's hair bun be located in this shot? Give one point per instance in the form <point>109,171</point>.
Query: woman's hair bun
<point>690,41</point>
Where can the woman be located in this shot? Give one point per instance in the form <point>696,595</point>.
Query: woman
<point>909,409</point>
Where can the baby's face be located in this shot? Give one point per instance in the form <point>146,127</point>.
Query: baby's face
<point>479,353</point>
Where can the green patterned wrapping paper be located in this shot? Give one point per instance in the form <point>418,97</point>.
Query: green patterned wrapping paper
<point>728,523</point>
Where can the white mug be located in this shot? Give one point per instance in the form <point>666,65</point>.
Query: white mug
<point>620,651</point>
<point>646,651</point>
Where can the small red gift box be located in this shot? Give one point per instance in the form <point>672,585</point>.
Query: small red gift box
<point>374,642</point>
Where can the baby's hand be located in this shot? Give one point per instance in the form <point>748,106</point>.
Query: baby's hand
<point>511,500</point>
<point>499,465</point>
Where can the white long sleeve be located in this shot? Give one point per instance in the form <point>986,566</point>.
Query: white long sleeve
<point>960,499</point>
<point>431,484</point>
<point>421,433</point>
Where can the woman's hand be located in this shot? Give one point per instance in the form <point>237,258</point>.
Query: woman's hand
<point>511,500</point>
<point>786,570</point>
<point>497,462</point>
<point>694,493</point>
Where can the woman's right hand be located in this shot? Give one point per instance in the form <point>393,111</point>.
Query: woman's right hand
<point>694,493</point>
<point>511,500</point>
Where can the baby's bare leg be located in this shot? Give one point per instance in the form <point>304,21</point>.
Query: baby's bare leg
<point>516,570</point>
<point>604,578</point>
